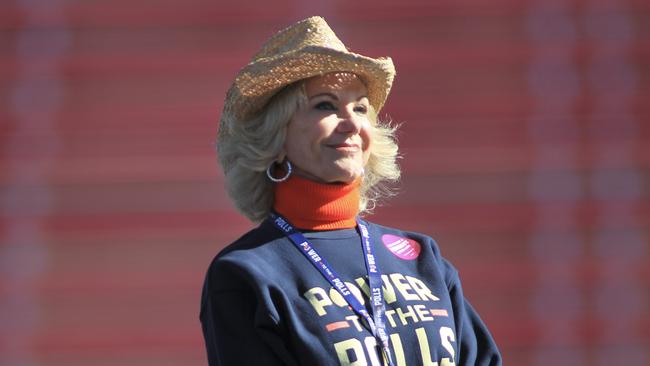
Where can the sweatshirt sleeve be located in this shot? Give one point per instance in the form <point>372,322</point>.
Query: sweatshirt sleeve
<point>475,343</point>
<point>238,330</point>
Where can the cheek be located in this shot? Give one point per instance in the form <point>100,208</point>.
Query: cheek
<point>292,143</point>
<point>295,145</point>
<point>366,136</point>
<point>302,138</point>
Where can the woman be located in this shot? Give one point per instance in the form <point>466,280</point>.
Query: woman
<point>314,284</point>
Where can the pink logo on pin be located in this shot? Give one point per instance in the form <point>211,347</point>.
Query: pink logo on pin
<point>403,248</point>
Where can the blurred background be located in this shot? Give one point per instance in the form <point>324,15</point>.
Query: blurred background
<point>526,154</point>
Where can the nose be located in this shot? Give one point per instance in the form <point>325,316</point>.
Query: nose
<point>350,122</point>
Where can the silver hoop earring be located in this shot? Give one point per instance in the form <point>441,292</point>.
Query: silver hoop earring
<point>281,179</point>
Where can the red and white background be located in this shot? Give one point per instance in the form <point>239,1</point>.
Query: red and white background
<point>526,153</point>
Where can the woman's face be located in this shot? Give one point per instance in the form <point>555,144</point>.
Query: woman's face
<point>328,139</point>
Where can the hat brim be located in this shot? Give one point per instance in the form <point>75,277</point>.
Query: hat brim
<point>260,80</point>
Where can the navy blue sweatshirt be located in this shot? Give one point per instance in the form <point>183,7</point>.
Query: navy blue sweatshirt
<point>264,303</point>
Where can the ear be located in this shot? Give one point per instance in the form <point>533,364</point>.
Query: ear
<point>281,156</point>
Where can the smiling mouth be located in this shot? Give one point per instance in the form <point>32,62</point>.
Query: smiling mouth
<point>346,147</point>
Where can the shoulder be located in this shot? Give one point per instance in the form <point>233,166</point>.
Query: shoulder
<point>254,241</point>
<point>425,250</point>
<point>246,260</point>
<point>386,234</point>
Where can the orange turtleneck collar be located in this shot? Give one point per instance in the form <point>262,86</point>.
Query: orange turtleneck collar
<point>317,206</point>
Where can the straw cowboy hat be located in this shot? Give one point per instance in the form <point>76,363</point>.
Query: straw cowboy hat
<point>305,49</point>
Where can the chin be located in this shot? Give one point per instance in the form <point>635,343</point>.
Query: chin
<point>344,181</point>
<point>335,173</point>
<point>348,176</point>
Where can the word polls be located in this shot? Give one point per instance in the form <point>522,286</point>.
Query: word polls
<point>282,224</point>
<point>359,352</point>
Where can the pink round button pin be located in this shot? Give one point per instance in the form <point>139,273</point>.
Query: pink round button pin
<point>403,248</point>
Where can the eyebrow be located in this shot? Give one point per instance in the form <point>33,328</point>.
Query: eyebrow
<point>333,96</point>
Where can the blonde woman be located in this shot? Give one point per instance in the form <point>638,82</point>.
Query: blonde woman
<point>304,156</point>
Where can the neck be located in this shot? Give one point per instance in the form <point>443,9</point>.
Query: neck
<point>318,206</point>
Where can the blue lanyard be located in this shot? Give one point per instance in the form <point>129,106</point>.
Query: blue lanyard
<point>377,322</point>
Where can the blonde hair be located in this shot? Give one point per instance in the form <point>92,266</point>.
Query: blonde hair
<point>246,148</point>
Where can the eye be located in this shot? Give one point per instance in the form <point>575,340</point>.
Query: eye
<point>325,106</point>
<point>361,109</point>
